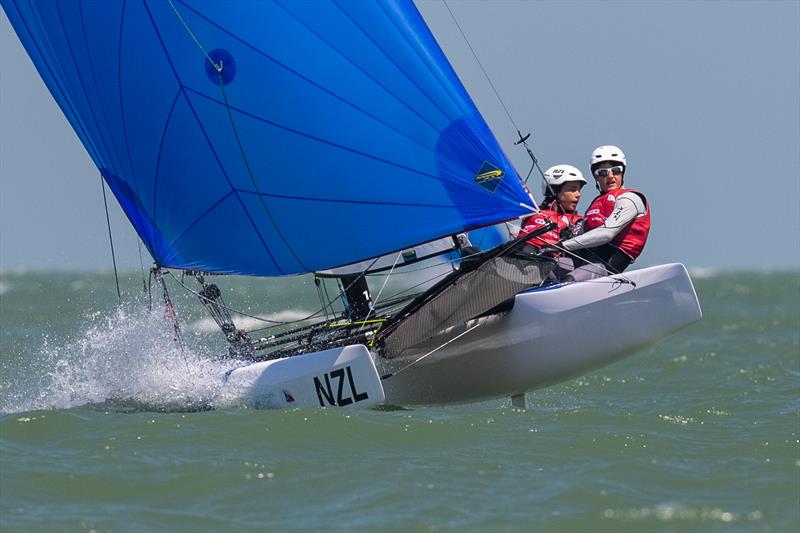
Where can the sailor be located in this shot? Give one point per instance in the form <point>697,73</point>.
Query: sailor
<point>617,222</point>
<point>562,191</point>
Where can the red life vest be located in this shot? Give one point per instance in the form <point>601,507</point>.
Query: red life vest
<point>544,217</point>
<point>631,239</point>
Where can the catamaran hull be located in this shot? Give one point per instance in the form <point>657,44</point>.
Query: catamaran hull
<point>550,335</point>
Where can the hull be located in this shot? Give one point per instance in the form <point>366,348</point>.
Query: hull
<point>550,335</point>
<point>341,377</point>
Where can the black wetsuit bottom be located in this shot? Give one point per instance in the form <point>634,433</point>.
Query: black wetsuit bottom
<point>614,259</point>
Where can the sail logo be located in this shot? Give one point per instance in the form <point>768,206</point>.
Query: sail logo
<point>489,176</point>
<point>335,381</point>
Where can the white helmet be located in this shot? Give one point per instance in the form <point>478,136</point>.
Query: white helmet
<point>608,153</point>
<point>559,174</point>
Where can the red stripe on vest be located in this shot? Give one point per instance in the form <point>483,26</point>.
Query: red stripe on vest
<point>630,240</point>
<point>544,217</point>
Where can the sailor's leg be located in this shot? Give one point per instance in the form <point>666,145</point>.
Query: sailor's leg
<point>588,271</point>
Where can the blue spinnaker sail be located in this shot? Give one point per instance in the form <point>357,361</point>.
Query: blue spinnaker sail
<point>270,138</point>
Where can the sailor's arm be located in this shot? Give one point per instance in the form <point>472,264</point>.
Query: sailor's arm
<point>627,207</point>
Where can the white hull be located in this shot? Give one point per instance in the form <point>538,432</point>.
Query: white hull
<point>341,377</point>
<point>550,335</point>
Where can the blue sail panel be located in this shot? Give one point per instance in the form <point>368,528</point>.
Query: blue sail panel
<point>271,138</point>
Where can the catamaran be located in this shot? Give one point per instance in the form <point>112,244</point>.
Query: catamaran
<point>332,138</point>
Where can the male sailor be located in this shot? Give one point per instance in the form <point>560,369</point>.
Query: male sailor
<point>617,222</point>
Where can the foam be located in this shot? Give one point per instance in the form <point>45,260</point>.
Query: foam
<point>128,359</point>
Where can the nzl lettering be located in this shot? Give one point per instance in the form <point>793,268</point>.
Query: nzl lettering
<point>335,381</point>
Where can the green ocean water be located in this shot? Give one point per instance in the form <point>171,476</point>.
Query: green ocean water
<point>699,433</point>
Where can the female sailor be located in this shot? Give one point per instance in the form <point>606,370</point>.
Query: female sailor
<point>562,191</point>
<point>617,222</point>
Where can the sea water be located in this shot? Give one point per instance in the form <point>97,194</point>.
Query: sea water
<point>105,425</point>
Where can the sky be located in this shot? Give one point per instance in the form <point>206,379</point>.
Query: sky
<point>703,97</point>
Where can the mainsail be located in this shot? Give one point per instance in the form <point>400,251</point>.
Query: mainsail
<point>271,138</point>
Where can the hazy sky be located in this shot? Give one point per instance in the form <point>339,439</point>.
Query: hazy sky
<point>703,97</point>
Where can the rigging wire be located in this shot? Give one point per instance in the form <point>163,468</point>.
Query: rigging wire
<point>276,323</point>
<point>378,297</point>
<point>496,93</point>
<point>522,139</point>
<point>110,239</point>
<point>412,363</point>
<point>218,67</point>
<point>141,265</point>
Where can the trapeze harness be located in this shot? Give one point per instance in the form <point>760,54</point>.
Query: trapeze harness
<point>626,245</point>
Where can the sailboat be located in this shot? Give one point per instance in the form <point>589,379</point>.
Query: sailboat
<point>332,138</point>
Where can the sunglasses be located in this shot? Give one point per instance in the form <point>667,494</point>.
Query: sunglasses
<point>603,172</point>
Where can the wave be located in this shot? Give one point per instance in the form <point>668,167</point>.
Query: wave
<point>704,272</point>
<point>207,325</point>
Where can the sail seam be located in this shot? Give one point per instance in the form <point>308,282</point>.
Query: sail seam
<point>94,121</point>
<point>96,87</point>
<point>51,66</point>
<point>157,174</point>
<point>308,80</point>
<point>375,80</point>
<point>208,141</point>
<point>485,74</point>
<point>407,76</point>
<point>427,65</point>
<point>253,178</point>
<point>336,200</point>
<point>201,217</point>
<point>439,179</point>
<point>121,101</point>
<point>218,68</point>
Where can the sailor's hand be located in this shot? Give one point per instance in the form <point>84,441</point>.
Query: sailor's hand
<point>549,250</point>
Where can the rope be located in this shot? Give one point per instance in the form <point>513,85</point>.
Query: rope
<point>497,94</point>
<point>386,376</point>
<point>252,177</point>
<point>141,266</point>
<point>218,68</point>
<point>378,297</point>
<point>242,313</point>
<point>522,139</point>
<point>275,323</point>
<point>110,239</point>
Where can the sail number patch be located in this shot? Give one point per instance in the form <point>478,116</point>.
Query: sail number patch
<point>345,389</point>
